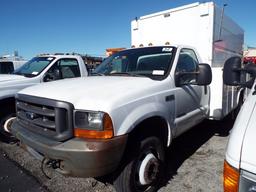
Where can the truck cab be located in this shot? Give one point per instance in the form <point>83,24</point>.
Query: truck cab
<point>40,69</point>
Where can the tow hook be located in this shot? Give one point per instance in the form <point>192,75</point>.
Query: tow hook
<point>49,164</point>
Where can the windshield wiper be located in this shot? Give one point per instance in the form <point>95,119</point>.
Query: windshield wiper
<point>24,74</point>
<point>17,73</point>
<point>99,74</point>
<point>127,74</point>
<point>29,75</point>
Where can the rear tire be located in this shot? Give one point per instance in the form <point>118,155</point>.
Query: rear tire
<point>144,168</point>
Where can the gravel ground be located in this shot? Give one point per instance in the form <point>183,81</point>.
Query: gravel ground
<point>195,162</point>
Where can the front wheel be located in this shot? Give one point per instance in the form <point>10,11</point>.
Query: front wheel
<point>5,126</point>
<point>144,171</point>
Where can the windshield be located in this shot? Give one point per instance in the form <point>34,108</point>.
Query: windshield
<point>34,67</point>
<point>153,62</point>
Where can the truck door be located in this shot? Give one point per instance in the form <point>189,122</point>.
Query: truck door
<point>188,96</point>
<point>62,69</point>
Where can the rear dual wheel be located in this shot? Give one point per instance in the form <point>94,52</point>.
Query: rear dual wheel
<point>144,170</point>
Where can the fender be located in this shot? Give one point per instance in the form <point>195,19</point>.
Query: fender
<point>145,111</point>
<point>8,93</point>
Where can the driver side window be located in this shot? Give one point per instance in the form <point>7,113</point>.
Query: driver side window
<point>63,68</point>
<point>187,62</point>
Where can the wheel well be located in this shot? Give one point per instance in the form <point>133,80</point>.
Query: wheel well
<point>7,106</point>
<point>154,126</point>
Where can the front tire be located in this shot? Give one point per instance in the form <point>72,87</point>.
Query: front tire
<point>5,125</point>
<point>143,171</point>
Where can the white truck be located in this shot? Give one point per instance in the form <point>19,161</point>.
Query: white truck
<point>240,161</point>
<point>39,69</point>
<point>121,120</point>
<point>7,66</point>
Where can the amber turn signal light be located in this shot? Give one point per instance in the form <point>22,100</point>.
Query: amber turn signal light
<point>106,133</point>
<point>230,178</point>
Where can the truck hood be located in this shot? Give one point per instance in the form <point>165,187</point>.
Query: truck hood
<point>9,78</point>
<point>11,84</point>
<point>99,93</point>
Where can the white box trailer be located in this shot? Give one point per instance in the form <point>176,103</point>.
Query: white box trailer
<point>205,27</point>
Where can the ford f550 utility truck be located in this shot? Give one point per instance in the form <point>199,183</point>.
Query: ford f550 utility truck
<point>121,120</point>
<point>40,69</point>
<point>240,160</point>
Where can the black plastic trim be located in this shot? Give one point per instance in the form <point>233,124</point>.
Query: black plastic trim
<point>63,118</point>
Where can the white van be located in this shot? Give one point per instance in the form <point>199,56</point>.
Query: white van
<point>240,160</point>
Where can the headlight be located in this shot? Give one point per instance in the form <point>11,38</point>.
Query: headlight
<point>89,120</point>
<point>93,124</point>
<point>247,182</point>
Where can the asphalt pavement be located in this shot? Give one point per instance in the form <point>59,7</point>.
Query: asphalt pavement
<point>194,164</point>
<point>14,178</point>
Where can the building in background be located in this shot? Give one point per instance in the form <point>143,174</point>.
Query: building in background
<point>91,61</point>
<point>111,51</point>
<point>11,57</point>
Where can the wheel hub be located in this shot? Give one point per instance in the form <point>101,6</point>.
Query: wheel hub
<point>8,123</point>
<point>148,169</point>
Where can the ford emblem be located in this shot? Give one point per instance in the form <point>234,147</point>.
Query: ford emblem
<point>31,115</point>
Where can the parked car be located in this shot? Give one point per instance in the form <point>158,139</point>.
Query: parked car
<point>39,69</point>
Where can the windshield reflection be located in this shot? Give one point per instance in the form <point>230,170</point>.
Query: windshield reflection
<point>33,67</point>
<point>148,62</point>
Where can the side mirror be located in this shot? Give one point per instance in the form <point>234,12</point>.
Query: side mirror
<point>57,74</point>
<point>184,78</point>
<point>52,76</point>
<point>204,76</point>
<point>46,77</point>
<point>251,69</point>
<point>232,71</point>
<point>201,77</point>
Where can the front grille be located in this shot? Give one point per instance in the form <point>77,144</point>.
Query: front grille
<point>47,117</point>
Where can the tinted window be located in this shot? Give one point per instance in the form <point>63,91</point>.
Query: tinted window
<point>153,62</point>
<point>6,67</point>
<point>187,62</point>
<point>67,68</point>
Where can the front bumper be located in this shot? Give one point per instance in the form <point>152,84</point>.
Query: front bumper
<point>78,157</point>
